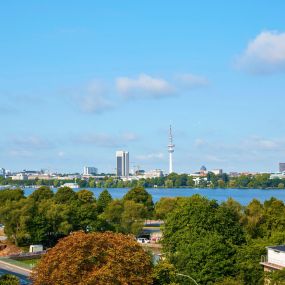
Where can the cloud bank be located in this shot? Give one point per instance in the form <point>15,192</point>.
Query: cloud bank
<point>265,54</point>
<point>95,100</point>
<point>150,156</point>
<point>96,97</point>
<point>105,140</point>
<point>192,81</point>
<point>144,86</point>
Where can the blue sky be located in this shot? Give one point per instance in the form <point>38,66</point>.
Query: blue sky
<point>82,79</point>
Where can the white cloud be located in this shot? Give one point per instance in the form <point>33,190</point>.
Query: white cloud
<point>264,54</point>
<point>28,146</point>
<point>105,140</point>
<point>33,142</point>
<point>199,142</point>
<point>262,144</point>
<point>189,80</point>
<point>130,137</point>
<point>214,158</point>
<point>150,156</point>
<point>246,145</point>
<point>144,86</point>
<point>20,153</point>
<point>95,98</point>
<point>60,154</point>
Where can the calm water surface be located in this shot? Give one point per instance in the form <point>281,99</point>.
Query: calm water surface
<point>243,196</point>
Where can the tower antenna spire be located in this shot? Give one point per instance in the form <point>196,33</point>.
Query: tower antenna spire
<point>170,150</point>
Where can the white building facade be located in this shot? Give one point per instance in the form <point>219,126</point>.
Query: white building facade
<point>156,173</point>
<point>275,259</point>
<point>90,170</point>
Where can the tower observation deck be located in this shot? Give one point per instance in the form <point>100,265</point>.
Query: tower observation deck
<point>170,150</point>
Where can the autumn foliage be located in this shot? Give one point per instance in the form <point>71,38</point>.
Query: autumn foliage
<point>94,258</point>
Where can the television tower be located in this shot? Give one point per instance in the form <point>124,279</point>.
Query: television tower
<point>170,150</point>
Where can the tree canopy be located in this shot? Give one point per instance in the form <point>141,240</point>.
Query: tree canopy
<point>8,279</point>
<point>141,196</point>
<point>94,258</point>
<point>201,236</point>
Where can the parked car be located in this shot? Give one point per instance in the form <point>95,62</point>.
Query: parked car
<point>143,240</point>
<point>155,239</point>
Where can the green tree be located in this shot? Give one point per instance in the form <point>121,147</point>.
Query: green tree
<point>104,200</point>
<point>248,261</point>
<point>276,277</point>
<point>164,273</point>
<point>92,183</point>
<point>281,186</point>
<point>229,281</point>
<point>133,217</point>
<point>85,196</point>
<point>9,279</point>
<point>165,206</point>
<point>221,183</point>
<point>254,218</point>
<point>113,214</point>
<point>11,195</point>
<point>85,211</point>
<point>212,178</point>
<point>168,183</point>
<point>13,214</point>
<point>56,183</point>
<point>242,181</point>
<point>141,196</point>
<point>59,220</point>
<point>64,195</point>
<point>190,181</point>
<point>201,239</point>
<point>42,193</point>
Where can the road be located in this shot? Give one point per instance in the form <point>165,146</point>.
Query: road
<point>14,269</point>
<point>21,273</point>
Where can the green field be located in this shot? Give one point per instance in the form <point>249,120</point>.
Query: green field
<point>25,263</point>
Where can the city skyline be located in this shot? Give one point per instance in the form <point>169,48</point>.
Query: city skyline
<point>74,89</point>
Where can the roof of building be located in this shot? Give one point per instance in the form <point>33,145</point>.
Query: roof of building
<point>278,247</point>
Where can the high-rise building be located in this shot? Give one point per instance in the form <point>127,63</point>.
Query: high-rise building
<point>2,172</point>
<point>281,166</point>
<point>90,170</point>
<point>123,163</point>
<point>170,150</point>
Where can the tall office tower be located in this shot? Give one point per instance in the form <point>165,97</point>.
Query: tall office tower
<point>90,170</point>
<point>123,163</point>
<point>170,150</point>
<point>2,172</point>
<point>281,166</point>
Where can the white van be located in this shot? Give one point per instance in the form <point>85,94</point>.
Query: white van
<point>143,240</point>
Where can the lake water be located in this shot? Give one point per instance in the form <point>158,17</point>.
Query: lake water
<point>243,196</point>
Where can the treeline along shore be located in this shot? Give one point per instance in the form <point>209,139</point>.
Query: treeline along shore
<point>173,180</point>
